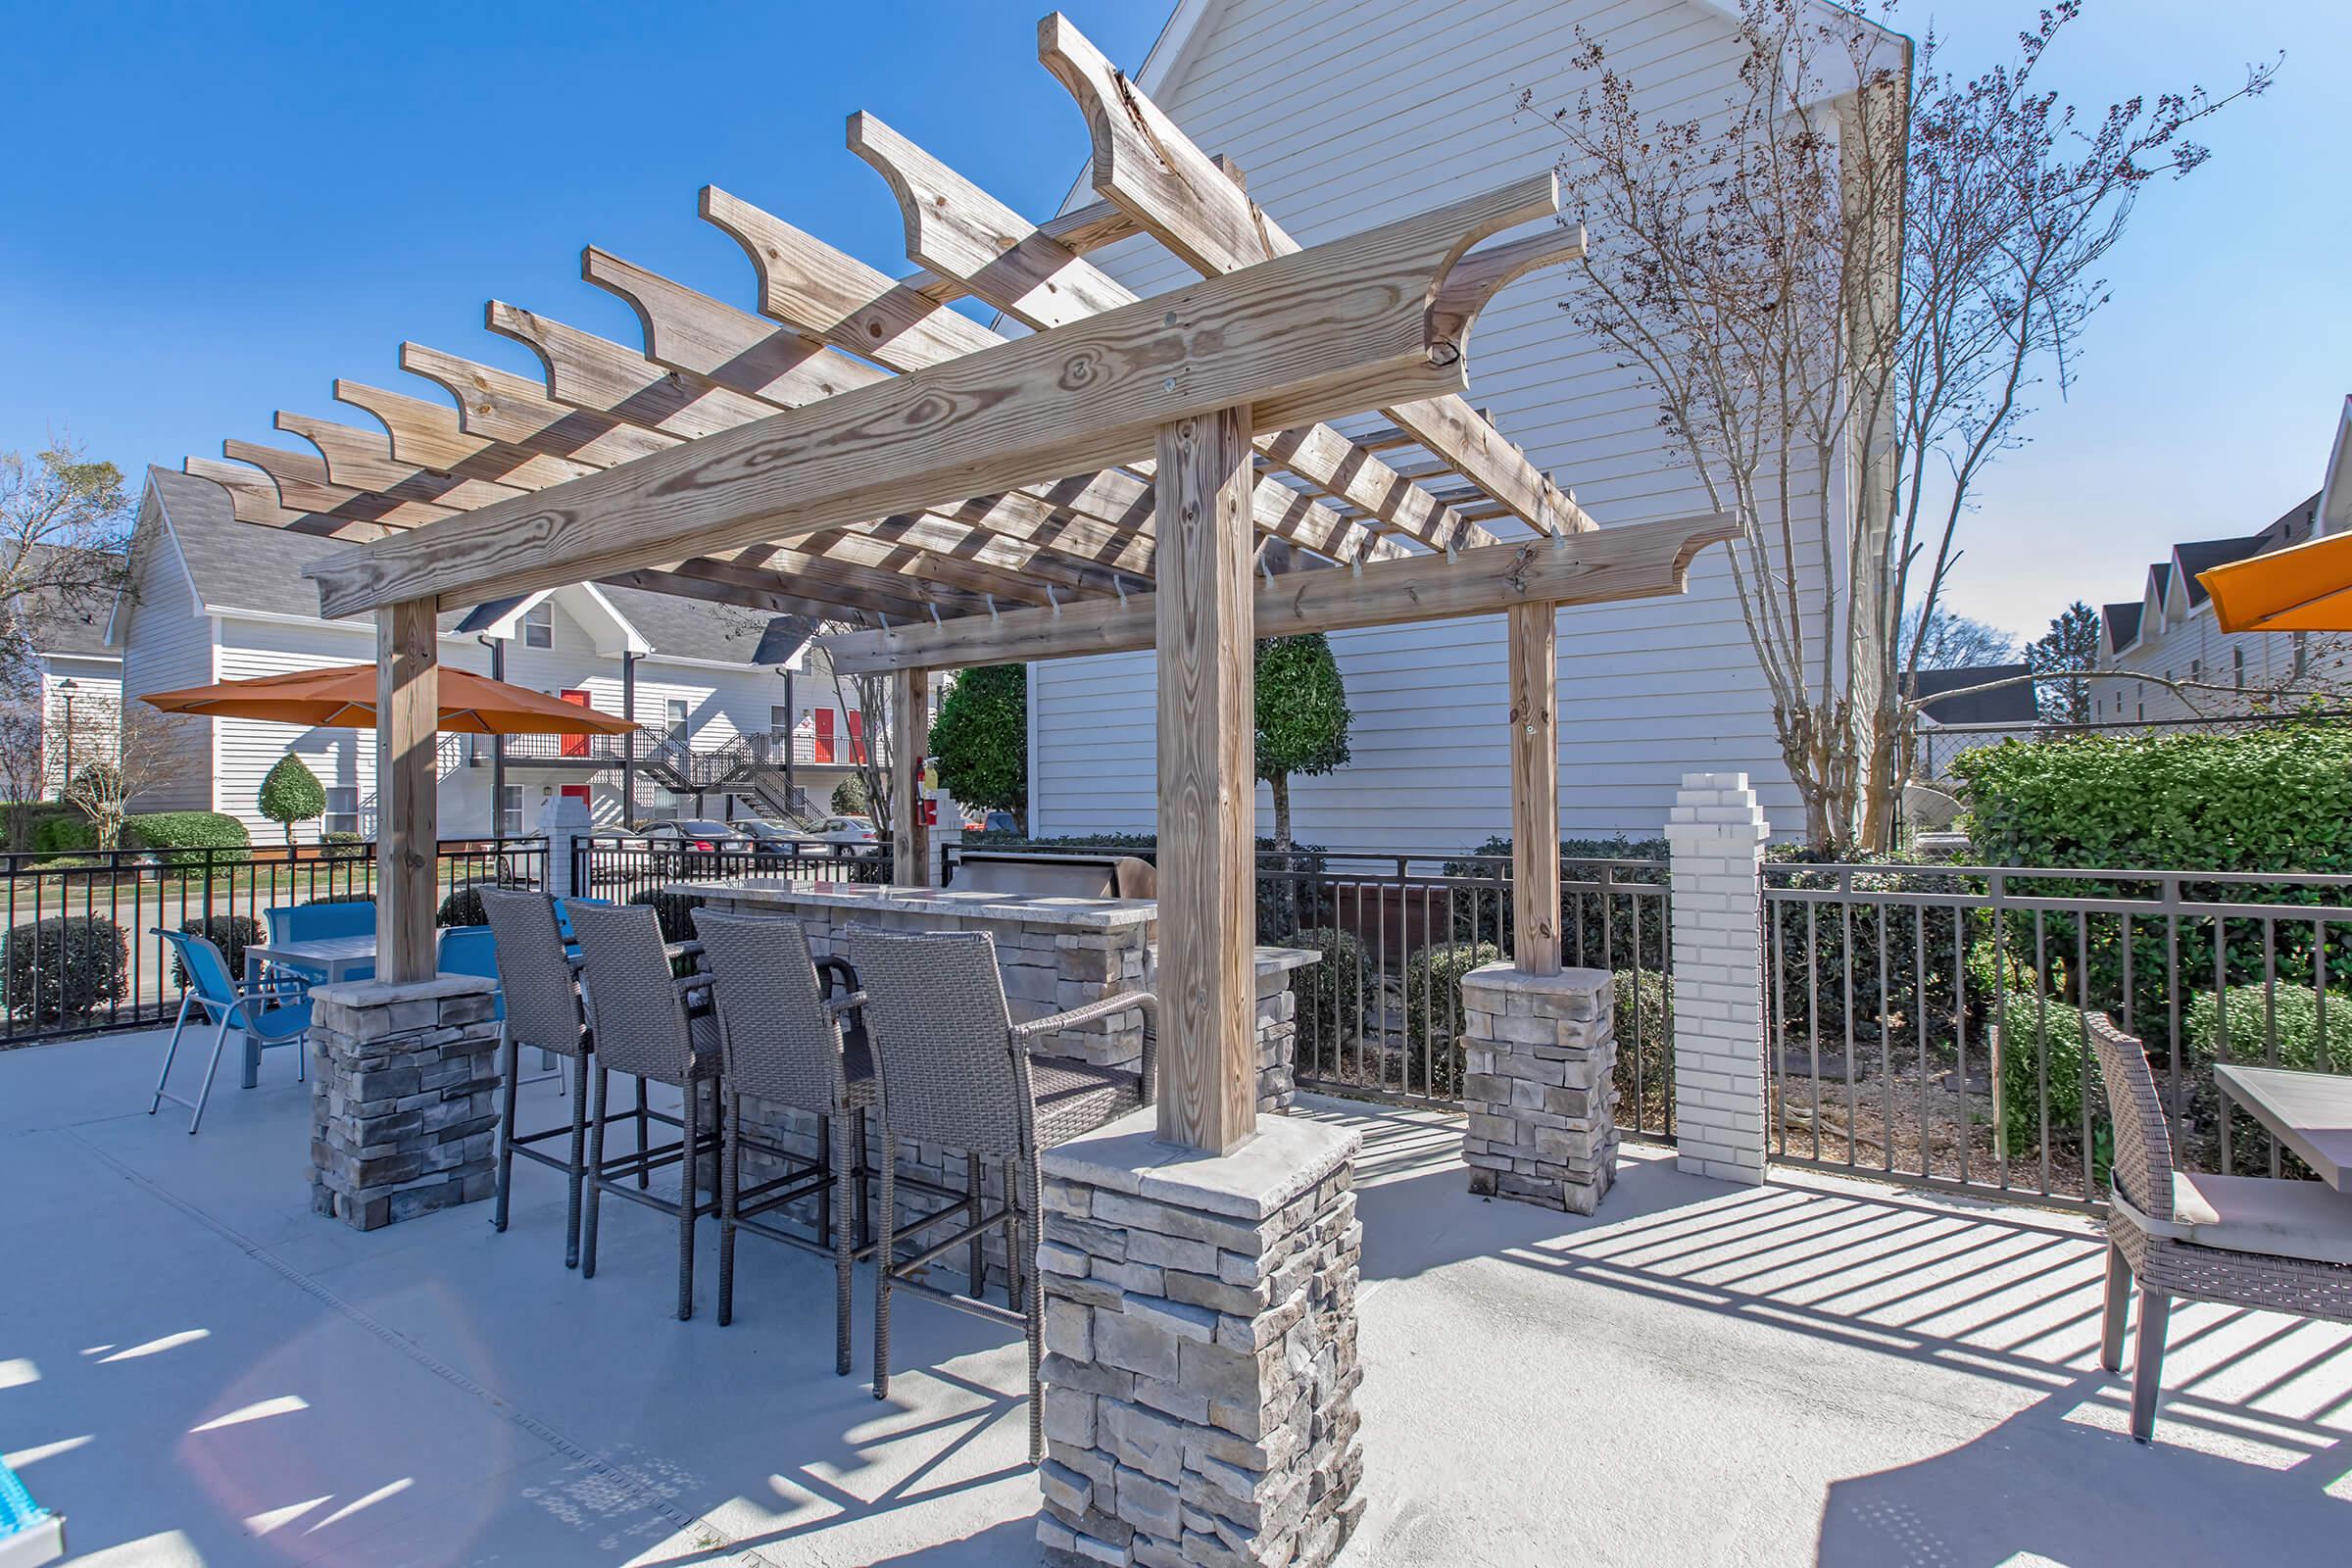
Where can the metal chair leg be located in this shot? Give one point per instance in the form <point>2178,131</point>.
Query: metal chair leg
<point>574,1173</point>
<point>170,1050</point>
<point>645,1128</point>
<point>975,1266</point>
<point>842,1252</point>
<point>2147,1366</point>
<point>510,1062</point>
<point>600,1089</point>
<point>730,1179</point>
<point>885,1261</point>
<point>688,1168</point>
<point>2119,1302</point>
<point>1025,1177</point>
<point>205,1091</point>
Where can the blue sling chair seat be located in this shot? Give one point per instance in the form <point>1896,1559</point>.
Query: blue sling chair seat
<point>279,1010</point>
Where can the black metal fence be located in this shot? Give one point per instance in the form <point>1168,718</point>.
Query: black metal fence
<point>1927,1023</point>
<point>624,866</point>
<point>81,953</point>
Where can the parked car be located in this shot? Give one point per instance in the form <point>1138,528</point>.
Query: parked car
<point>842,830</point>
<point>769,841</point>
<point>992,822</point>
<point>672,843</point>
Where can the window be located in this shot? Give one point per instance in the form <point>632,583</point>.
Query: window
<point>674,711</point>
<point>2238,667</point>
<point>779,721</point>
<point>539,624</point>
<point>342,810</point>
<point>2196,670</point>
<point>509,811</point>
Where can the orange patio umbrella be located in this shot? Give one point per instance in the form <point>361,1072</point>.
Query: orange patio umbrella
<point>344,698</point>
<point>2306,587</point>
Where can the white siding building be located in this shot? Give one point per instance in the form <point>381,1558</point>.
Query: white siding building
<point>1344,114</point>
<point>214,599</point>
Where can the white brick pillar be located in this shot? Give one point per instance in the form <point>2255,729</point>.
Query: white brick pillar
<point>1716,832</point>
<point>564,819</point>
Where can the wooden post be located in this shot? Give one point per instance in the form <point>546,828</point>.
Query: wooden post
<point>1535,790</point>
<point>1207,784</point>
<point>910,840</point>
<point>407,713</point>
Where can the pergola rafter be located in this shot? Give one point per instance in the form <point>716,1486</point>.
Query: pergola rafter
<point>1167,472</point>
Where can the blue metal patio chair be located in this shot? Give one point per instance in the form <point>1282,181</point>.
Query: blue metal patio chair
<point>312,922</point>
<point>472,950</point>
<point>564,917</point>
<point>277,1011</point>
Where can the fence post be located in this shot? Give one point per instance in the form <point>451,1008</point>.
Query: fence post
<point>564,819</point>
<point>1716,832</point>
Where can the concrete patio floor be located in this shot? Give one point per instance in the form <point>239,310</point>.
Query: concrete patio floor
<point>196,1369</point>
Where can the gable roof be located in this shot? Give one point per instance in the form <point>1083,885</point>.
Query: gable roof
<point>242,566</point>
<point>2004,705</point>
<point>58,625</point>
<point>2196,556</point>
<point>2122,622</point>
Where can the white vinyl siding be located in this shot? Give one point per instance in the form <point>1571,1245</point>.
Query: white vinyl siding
<point>1648,691</point>
<point>169,645</point>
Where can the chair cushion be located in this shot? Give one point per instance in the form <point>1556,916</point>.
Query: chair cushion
<point>2309,1220</point>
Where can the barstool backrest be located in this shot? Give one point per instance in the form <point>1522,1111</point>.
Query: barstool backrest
<point>781,1042</point>
<point>943,1040</point>
<point>633,1004</point>
<point>543,1004</point>
<point>2142,1168</point>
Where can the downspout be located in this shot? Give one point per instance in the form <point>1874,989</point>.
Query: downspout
<point>498,743</point>
<point>791,722</point>
<point>628,742</point>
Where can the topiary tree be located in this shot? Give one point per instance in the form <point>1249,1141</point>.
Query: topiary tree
<point>848,797</point>
<point>1303,717</point>
<point>980,740</point>
<point>291,793</point>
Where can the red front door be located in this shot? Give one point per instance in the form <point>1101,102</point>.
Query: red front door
<point>575,744</point>
<point>820,743</point>
<point>857,735</point>
<point>577,792</point>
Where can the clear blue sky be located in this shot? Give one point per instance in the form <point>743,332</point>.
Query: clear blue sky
<point>210,212</point>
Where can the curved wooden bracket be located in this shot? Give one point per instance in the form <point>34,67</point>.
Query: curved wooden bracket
<point>1477,277</point>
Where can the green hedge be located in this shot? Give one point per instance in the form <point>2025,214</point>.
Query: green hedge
<point>1479,915</point>
<point>60,834</point>
<point>1329,997</point>
<point>182,838</point>
<point>345,846</point>
<point>672,911</point>
<point>1433,980</point>
<point>63,967</point>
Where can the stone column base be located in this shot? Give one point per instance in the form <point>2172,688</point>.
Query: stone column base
<point>403,1098</point>
<point>1538,1051</point>
<point>1200,1366</point>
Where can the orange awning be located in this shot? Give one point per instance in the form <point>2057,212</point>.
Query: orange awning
<point>2305,588</point>
<point>344,698</point>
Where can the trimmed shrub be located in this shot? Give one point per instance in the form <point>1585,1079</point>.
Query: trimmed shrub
<point>291,793</point>
<point>345,846</point>
<point>63,835</point>
<point>64,968</point>
<point>227,932</point>
<point>463,905</point>
<point>183,838</point>
<point>848,797</point>
<point>1433,1013</point>
<point>1481,915</point>
<point>2293,1013</point>
<point>1330,996</point>
<point>980,740</point>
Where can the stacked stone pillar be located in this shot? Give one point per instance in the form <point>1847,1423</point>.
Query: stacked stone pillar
<point>1539,1055</point>
<point>1200,1366</point>
<point>1717,834</point>
<point>403,1098</point>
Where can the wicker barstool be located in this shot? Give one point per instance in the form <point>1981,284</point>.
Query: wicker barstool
<point>542,1011</point>
<point>645,1028</point>
<point>955,1070</point>
<point>2239,1241</point>
<point>783,1040</point>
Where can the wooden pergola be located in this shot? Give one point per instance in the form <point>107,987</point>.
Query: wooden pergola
<point>1128,473</point>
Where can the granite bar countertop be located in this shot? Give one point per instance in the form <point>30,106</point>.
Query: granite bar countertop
<point>1078,915</point>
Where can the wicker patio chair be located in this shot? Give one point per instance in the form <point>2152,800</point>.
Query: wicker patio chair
<point>955,1070</point>
<point>543,1011</point>
<point>783,1040</point>
<point>645,1029</point>
<point>2239,1241</point>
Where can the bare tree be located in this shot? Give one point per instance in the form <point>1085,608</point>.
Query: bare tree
<point>65,537</point>
<point>1841,289</point>
<point>23,763</point>
<point>131,749</point>
<point>1951,640</point>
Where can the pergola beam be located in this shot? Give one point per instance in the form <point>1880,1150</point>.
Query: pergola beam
<point>1147,165</point>
<point>1299,338</point>
<point>1637,561</point>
